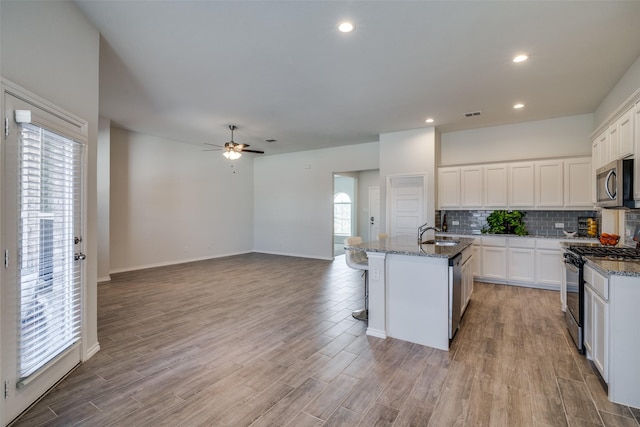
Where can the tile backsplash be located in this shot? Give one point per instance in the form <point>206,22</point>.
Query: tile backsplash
<point>539,223</point>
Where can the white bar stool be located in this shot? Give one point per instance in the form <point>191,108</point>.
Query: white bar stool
<point>358,260</point>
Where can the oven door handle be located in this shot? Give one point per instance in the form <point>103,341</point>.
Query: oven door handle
<point>571,267</point>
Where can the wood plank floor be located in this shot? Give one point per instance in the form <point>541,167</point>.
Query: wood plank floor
<point>265,340</point>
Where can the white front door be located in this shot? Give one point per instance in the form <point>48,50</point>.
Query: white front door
<point>407,205</point>
<point>374,212</point>
<point>42,229</point>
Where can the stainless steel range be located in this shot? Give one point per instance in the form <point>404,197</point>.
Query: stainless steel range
<point>573,266</point>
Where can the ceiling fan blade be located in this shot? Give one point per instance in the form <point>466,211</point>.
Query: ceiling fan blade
<point>212,149</point>
<point>214,145</point>
<point>253,151</point>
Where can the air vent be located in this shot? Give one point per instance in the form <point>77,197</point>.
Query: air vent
<point>473,113</point>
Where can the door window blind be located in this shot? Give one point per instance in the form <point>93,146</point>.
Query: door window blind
<point>49,190</point>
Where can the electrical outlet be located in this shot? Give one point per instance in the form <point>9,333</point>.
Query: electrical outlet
<point>559,224</point>
<point>455,222</point>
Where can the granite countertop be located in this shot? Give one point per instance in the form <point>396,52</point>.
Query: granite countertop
<point>409,246</point>
<point>534,236</point>
<point>615,268</point>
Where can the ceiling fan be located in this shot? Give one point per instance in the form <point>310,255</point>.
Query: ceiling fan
<point>232,150</point>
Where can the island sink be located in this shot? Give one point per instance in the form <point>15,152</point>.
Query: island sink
<point>441,242</point>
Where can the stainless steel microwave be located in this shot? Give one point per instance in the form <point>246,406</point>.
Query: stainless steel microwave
<point>614,185</point>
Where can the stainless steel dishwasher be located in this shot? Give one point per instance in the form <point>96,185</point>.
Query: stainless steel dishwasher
<point>455,293</point>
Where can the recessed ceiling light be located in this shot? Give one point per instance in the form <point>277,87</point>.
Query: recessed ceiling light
<point>429,120</point>
<point>346,27</point>
<point>521,58</point>
<point>518,106</point>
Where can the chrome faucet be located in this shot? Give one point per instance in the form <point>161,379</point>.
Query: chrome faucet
<point>423,229</point>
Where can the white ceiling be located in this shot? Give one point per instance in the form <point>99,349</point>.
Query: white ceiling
<point>185,70</point>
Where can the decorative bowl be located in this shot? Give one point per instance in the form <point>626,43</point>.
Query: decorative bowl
<point>569,233</point>
<point>609,239</point>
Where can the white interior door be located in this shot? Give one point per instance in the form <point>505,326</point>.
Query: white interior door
<point>42,228</point>
<point>407,205</point>
<point>374,212</point>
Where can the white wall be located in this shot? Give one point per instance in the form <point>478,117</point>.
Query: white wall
<point>293,198</point>
<point>171,202</point>
<point>565,136</point>
<point>406,153</point>
<point>627,84</point>
<point>50,49</point>
<point>103,183</point>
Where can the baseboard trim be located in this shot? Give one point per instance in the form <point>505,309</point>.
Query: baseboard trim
<point>294,255</point>
<point>104,279</point>
<point>91,351</point>
<point>168,263</point>
<point>377,333</point>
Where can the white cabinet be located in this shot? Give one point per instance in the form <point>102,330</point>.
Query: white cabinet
<point>545,184</point>
<point>587,334</point>
<point>549,178</point>
<point>477,261</point>
<point>600,152</point>
<point>495,192</point>
<point>549,267</point>
<point>471,186</point>
<point>522,185</point>
<point>494,258</point>
<point>578,183</point>
<point>625,125</point>
<point>449,188</point>
<point>596,320</point>
<point>521,260</point>
<point>612,142</point>
<point>467,283</point>
<point>600,323</point>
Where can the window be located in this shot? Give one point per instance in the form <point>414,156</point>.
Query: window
<point>342,214</point>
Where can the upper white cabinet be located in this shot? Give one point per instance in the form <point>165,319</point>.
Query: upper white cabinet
<point>600,154</point>
<point>471,186</point>
<point>545,184</point>
<point>495,191</point>
<point>522,185</point>
<point>550,184</point>
<point>625,134</point>
<point>449,187</point>
<point>613,142</point>
<point>577,172</point>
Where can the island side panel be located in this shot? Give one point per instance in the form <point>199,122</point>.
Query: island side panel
<point>418,300</point>
<point>376,326</point>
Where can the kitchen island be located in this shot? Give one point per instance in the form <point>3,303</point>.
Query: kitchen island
<point>409,290</point>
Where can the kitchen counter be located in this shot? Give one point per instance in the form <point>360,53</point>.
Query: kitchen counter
<point>409,288</point>
<point>406,245</point>
<point>615,268</point>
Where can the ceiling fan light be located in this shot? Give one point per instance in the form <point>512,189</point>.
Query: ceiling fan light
<point>231,154</point>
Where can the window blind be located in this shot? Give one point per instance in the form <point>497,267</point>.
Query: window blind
<point>49,193</point>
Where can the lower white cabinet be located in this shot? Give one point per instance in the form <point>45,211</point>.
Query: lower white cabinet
<point>521,264</point>
<point>467,284</point>
<point>494,258</point>
<point>549,270</point>
<point>477,260</point>
<point>596,320</point>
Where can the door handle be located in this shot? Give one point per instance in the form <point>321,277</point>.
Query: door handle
<point>371,220</point>
<point>606,185</point>
<point>79,256</point>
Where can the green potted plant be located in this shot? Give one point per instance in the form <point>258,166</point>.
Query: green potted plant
<point>506,222</point>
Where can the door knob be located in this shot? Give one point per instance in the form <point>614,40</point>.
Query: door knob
<point>79,256</point>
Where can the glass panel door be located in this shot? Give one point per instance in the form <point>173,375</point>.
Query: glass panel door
<point>42,234</point>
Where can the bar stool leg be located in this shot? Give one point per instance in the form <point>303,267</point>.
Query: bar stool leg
<point>364,314</point>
